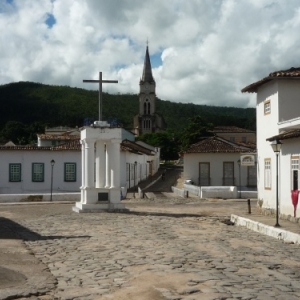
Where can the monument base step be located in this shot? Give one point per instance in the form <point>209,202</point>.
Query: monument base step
<point>99,207</point>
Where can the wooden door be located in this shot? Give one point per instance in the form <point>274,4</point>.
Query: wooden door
<point>228,173</point>
<point>204,173</point>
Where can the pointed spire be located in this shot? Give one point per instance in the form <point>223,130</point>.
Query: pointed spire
<point>147,72</point>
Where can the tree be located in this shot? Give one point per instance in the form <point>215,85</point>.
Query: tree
<point>16,132</point>
<point>194,131</point>
<point>166,141</point>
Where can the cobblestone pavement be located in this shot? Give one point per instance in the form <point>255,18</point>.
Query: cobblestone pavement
<point>147,256</point>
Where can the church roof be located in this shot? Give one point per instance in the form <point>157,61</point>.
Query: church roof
<point>284,74</point>
<point>147,71</point>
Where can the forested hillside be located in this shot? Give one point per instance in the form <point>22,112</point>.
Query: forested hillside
<point>26,108</point>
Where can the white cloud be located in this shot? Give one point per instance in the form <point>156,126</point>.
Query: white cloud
<point>210,49</point>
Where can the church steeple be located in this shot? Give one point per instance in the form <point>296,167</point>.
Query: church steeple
<point>147,71</point>
<point>147,120</point>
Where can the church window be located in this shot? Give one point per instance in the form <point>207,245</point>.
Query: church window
<point>147,107</point>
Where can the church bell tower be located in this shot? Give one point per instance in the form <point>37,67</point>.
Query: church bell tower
<point>147,121</point>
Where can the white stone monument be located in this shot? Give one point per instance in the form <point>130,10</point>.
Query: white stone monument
<point>101,166</point>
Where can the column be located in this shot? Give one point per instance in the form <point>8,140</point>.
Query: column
<point>89,163</point>
<point>82,163</point>
<point>108,164</point>
<point>115,163</point>
<point>100,164</point>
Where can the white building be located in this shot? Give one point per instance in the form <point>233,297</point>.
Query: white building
<point>278,119</point>
<point>216,162</point>
<point>27,169</point>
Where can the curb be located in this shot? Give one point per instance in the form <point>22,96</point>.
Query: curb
<point>36,203</point>
<point>271,231</point>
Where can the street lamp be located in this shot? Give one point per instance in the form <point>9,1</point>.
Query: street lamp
<point>276,146</point>
<point>239,163</point>
<point>52,162</point>
<point>135,171</point>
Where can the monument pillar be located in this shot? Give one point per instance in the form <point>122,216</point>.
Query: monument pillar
<point>89,161</point>
<point>115,163</point>
<point>105,192</point>
<point>100,164</point>
<point>108,157</point>
<point>82,168</point>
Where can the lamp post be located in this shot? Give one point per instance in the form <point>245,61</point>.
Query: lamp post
<point>52,162</point>
<point>276,146</point>
<point>239,163</point>
<point>135,164</point>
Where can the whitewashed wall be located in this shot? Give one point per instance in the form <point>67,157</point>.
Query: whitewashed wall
<point>141,163</point>
<point>289,148</point>
<point>26,158</point>
<point>267,126</point>
<point>191,167</point>
<point>284,96</point>
<point>289,91</point>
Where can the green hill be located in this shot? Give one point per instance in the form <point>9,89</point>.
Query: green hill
<point>33,106</point>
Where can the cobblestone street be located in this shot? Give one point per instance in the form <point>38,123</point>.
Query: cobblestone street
<point>148,256</point>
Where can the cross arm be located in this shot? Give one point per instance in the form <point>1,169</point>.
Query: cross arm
<point>103,81</point>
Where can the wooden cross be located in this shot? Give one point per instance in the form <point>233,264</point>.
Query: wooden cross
<point>100,81</point>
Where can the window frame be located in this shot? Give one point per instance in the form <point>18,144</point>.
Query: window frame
<point>33,172</point>
<point>267,162</point>
<point>66,164</point>
<point>267,107</point>
<point>294,168</point>
<point>10,172</point>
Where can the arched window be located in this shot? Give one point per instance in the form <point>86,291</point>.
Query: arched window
<point>145,108</point>
<point>148,108</point>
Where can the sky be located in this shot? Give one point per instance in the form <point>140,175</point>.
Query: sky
<point>202,51</point>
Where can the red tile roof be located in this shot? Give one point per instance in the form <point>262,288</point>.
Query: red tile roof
<point>58,137</point>
<point>230,129</point>
<point>290,73</point>
<point>134,147</point>
<point>291,134</point>
<point>75,145</point>
<point>218,145</point>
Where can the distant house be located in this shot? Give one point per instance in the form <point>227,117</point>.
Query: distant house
<point>58,136</point>
<point>236,134</point>
<point>215,161</point>
<point>278,119</point>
